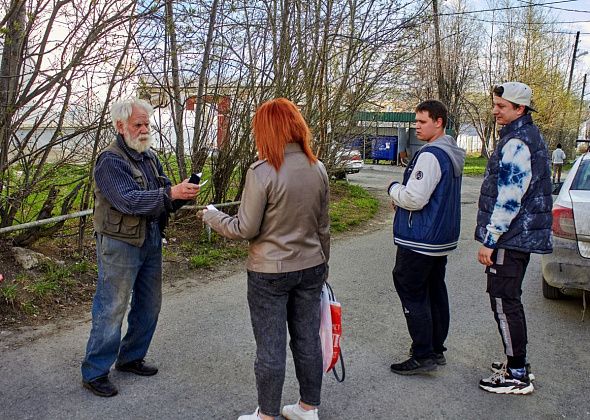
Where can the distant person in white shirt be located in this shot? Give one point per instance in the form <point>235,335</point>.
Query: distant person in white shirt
<point>557,159</point>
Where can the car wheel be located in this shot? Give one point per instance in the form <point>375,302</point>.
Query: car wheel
<point>340,175</point>
<point>551,292</point>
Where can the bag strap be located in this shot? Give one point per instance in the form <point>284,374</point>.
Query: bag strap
<point>330,291</point>
<point>340,378</point>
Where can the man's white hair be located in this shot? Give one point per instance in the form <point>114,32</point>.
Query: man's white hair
<point>121,110</point>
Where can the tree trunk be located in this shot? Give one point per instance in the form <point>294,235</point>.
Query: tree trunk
<point>177,102</point>
<point>10,74</point>
<point>199,152</point>
<point>440,78</point>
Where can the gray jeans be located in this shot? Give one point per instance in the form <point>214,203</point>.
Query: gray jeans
<point>278,300</point>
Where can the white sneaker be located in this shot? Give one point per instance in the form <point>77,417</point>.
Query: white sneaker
<point>295,412</point>
<point>253,416</point>
<point>497,367</point>
<point>504,383</point>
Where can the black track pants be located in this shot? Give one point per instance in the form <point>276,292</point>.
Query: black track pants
<point>505,278</point>
<point>420,283</point>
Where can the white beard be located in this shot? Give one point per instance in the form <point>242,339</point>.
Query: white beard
<point>140,143</point>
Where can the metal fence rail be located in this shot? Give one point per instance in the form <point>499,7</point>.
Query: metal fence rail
<point>83,213</point>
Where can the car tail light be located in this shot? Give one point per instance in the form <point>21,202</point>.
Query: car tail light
<point>563,222</point>
<point>355,157</point>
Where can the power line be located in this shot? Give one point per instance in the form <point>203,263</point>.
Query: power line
<point>521,24</point>
<point>556,8</point>
<point>503,22</point>
<point>530,23</point>
<point>466,12</point>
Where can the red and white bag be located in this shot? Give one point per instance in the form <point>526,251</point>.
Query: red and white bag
<point>331,331</point>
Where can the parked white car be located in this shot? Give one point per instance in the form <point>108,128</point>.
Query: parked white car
<point>568,267</point>
<point>348,162</point>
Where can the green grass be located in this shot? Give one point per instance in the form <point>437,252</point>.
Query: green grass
<point>352,206</point>
<point>83,267</point>
<point>475,165</point>
<point>32,293</point>
<point>40,287</point>
<point>55,273</point>
<point>55,278</point>
<point>9,293</point>
<point>29,308</point>
<point>64,177</point>
<point>212,254</point>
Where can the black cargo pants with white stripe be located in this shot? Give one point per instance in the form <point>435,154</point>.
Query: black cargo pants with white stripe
<point>505,278</point>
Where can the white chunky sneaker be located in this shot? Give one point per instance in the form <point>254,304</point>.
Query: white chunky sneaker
<point>253,416</point>
<point>504,383</point>
<point>499,366</point>
<point>295,412</point>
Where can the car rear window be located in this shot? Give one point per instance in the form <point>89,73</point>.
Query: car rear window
<point>582,179</point>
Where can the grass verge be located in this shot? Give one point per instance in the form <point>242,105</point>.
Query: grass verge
<point>213,253</point>
<point>54,290</point>
<point>350,206</point>
<point>475,165</point>
<point>45,291</point>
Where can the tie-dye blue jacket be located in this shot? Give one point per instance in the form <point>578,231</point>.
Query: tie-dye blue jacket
<point>515,200</point>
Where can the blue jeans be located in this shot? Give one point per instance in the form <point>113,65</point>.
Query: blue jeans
<point>277,300</point>
<point>124,271</point>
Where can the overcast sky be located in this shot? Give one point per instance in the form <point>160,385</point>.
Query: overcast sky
<point>582,17</point>
<point>570,16</point>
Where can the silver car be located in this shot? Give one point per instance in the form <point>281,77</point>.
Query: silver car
<point>568,267</point>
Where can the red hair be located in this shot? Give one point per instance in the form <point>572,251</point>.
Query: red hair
<point>276,123</point>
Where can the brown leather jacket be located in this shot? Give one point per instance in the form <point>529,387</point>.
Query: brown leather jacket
<point>283,215</point>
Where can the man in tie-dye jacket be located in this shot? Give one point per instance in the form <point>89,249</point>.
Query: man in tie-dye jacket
<point>513,221</point>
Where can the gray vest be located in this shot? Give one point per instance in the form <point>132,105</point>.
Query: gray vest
<point>110,221</point>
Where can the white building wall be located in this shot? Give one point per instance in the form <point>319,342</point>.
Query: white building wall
<point>468,139</point>
<point>471,144</point>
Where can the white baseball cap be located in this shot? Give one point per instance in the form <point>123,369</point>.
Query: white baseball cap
<point>518,93</point>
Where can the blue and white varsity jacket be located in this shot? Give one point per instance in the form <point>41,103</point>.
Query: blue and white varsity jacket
<point>428,201</point>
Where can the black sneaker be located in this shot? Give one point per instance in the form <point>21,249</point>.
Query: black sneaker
<point>497,367</point>
<point>138,367</point>
<point>101,387</point>
<point>414,366</point>
<point>439,358</point>
<point>504,383</point>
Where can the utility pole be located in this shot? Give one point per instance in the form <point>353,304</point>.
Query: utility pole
<point>440,80</point>
<point>444,90</point>
<point>569,83</point>
<point>581,105</point>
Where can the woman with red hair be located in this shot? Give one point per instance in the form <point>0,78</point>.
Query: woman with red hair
<point>284,216</point>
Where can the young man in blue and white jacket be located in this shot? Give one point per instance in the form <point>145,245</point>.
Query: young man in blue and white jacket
<point>513,220</point>
<point>426,229</point>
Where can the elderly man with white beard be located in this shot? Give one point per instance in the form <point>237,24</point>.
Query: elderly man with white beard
<point>132,198</point>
